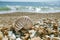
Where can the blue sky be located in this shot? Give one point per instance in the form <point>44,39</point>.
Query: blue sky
<point>30,0</point>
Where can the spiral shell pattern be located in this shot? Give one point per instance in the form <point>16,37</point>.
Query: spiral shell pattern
<point>23,22</point>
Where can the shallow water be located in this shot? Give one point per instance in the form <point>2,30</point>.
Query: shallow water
<point>31,9</point>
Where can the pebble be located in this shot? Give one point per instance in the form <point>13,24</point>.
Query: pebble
<point>46,33</point>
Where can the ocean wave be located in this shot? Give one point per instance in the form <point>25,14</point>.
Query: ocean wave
<point>39,9</point>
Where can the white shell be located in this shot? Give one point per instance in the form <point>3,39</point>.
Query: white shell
<point>32,33</point>
<point>18,39</point>
<point>5,38</point>
<point>11,35</point>
<point>23,21</point>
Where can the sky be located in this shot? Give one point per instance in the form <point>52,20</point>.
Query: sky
<point>30,0</point>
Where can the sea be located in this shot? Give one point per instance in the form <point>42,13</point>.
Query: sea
<point>40,7</point>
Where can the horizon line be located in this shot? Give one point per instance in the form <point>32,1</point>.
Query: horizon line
<point>29,1</point>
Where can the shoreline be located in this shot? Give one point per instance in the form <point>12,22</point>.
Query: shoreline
<point>7,12</point>
<point>34,16</point>
<point>31,9</point>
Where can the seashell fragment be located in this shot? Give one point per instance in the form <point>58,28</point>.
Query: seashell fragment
<point>56,38</point>
<point>36,38</point>
<point>5,38</point>
<point>1,35</point>
<point>18,39</point>
<point>11,35</point>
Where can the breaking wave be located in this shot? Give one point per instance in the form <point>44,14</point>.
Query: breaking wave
<point>39,9</point>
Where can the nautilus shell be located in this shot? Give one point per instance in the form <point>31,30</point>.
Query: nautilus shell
<point>23,22</point>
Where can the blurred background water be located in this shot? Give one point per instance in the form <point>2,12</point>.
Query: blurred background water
<point>41,7</point>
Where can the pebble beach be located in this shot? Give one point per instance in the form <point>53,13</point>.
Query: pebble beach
<point>46,26</point>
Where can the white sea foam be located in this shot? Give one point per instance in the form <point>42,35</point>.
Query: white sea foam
<point>31,9</point>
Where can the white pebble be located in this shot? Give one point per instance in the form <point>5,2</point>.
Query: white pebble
<point>32,33</point>
<point>5,38</point>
